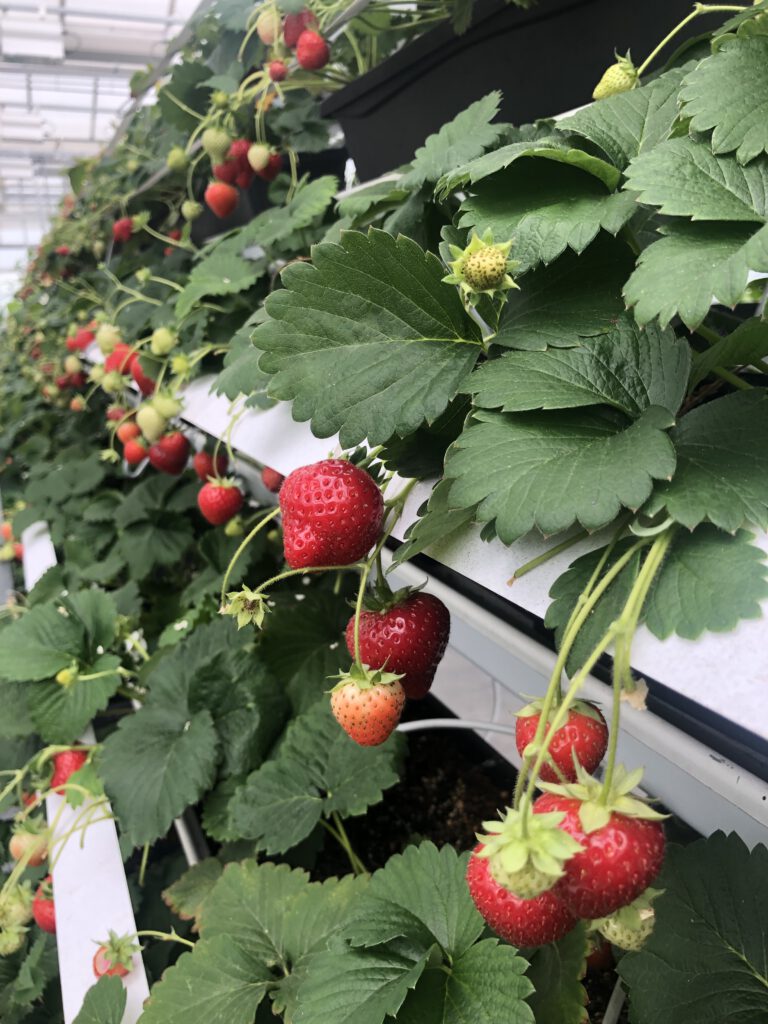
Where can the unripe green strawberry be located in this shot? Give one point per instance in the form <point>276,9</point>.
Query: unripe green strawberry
<point>11,940</point>
<point>216,143</point>
<point>113,382</point>
<point>220,99</point>
<point>268,26</point>
<point>167,406</point>
<point>163,340</point>
<point>16,906</point>
<point>190,210</point>
<point>72,364</point>
<point>97,374</point>
<point>176,159</point>
<point>619,77</point>
<point>107,336</point>
<point>485,269</point>
<point>151,423</point>
<point>631,939</point>
<point>258,156</point>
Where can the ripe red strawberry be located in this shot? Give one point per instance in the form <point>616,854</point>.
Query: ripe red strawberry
<point>584,734</point>
<point>278,70</point>
<point>43,909</point>
<point>128,431</point>
<point>294,25</point>
<point>332,514</point>
<point>115,412</point>
<point>29,841</point>
<point>271,479</point>
<point>522,922</point>
<point>409,639</point>
<point>221,198</point>
<point>170,453</point>
<point>203,465</point>
<point>62,381</point>
<point>120,359</point>
<point>175,234</point>
<point>146,383</point>
<point>369,710</point>
<point>29,799</point>
<point>122,229</point>
<point>65,764</point>
<point>114,958</point>
<point>135,452</point>
<point>238,151</point>
<point>226,172</point>
<point>245,178</point>
<point>18,551</point>
<point>219,502</point>
<point>273,168</point>
<point>6,531</point>
<point>77,380</point>
<point>617,863</point>
<point>62,250</point>
<point>312,51</point>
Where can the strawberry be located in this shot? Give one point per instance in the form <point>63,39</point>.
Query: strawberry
<point>77,381</point>
<point>294,25</point>
<point>114,958</point>
<point>203,465</point>
<point>271,479</point>
<point>245,178</point>
<point>65,764</point>
<point>332,514</point>
<point>116,412</point>
<point>119,359</point>
<point>619,860</point>
<point>219,501</point>
<point>585,735</point>
<point>239,151</point>
<point>18,551</point>
<point>29,841</point>
<point>145,382</point>
<point>216,143</point>
<point>258,156</point>
<point>312,51</point>
<point>43,909</point>
<point>6,531</point>
<point>128,431</point>
<point>16,906</point>
<point>268,26</point>
<point>151,422</point>
<point>77,404</point>
<point>277,70</point>
<point>221,199</point>
<point>122,229</point>
<point>170,453</point>
<point>273,168</point>
<point>619,77</point>
<point>84,337</point>
<point>522,922</point>
<point>226,172</point>
<point>62,381</point>
<point>134,452</point>
<point>107,337</point>
<point>367,705</point>
<point>408,638</point>
<point>62,250</point>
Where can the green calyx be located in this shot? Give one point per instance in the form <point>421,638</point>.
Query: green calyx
<point>381,598</point>
<point>598,805</point>
<point>119,950</point>
<point>365,678</point>
<point>246,606</point>
<point>629,927</point>
<point>527,852</point>
<point>482,268</point>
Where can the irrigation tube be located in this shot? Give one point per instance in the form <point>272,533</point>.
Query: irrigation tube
<point>455,723</point>
<point>615,1004</point>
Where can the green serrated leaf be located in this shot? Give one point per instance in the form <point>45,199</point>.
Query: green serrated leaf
<point>556,972</point>
<point>728,92</point>
<point>679,274</point>
<point>747,344</point>
<point>220,274</point>
<point>420,455</point>
<point>709,940</point>
<point>574,297</point>
<point>368,341</point>
<point>628,368</point>
<point>630,122</point>
<point>684,178</point>
<point>39,644</point>
<point>722,464</point>
<point>458,141</point>
<point>104,1003</point>
<point>188,894</point>
<point>549,470</point>
<point>710,581</point>
<point>545,208</point>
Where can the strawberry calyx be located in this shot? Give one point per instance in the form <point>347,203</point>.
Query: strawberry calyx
<point>364,677</point>
<point>527,852</point>
<point>118,951</point>
<point>536,706</point>
<point>599,803</point>
<point>246,606</point>
<point>629,927</point>
<point>381,597</point>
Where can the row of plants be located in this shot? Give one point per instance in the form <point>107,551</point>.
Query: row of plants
<point>523,316</point>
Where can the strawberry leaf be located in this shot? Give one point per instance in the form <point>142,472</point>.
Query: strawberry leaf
<point>550,470</point>
<point>684,178</point>
<point>367,341</point>
<point>317,771</point>
<point>679,274</point>
<point>631,122</point>
<point>104,1003</point>
<point>628,368</point>
<point>556,970</point>
<point>188,894</point>
<point>545,207</point>
<point>437,523</point>
<point>39,644</point>
<point>722,464</point>
<point>60,713</point>
<point>728,92</point>
<point>574,297</point>
<point>747,344</point>
<point>710,938</point>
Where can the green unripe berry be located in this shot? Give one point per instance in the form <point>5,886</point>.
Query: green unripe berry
<point>485,269</point>
<point>176,159</point>
<point>190,210</point>
<point>216,143</point>
<point>163,341</point>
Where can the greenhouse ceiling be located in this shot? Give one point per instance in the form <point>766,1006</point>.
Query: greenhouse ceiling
<point>65,67</point>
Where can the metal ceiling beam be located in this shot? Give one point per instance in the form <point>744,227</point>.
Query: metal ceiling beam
<point>92,66</point>
<point>103,15</point>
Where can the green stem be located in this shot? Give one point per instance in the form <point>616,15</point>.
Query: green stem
<point>246,541</point>
<point>183,106</point>
<point>534,563</point>
<point>698,9</point>
<point>164,280</point>
<point>307,569</point>
<point>164,936</point>
<point>177,243</point>
<point>731,379</point>
<point>357,864</point>
<point>143,865</point>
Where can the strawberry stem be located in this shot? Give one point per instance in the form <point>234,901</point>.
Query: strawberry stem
<point>143,865</point>
<point>246,541</point>
<point>552,552</point>
<point>698,9</point>
<point>165,937</point>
